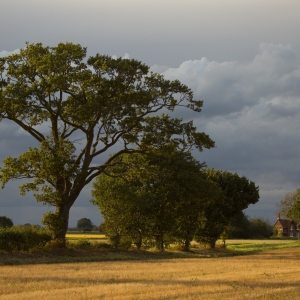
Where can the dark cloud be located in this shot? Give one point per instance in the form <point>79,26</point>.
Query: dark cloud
<point>251,97</point>
<point>252,111</point>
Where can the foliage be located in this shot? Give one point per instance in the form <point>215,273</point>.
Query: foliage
<point>81,244</point>
<point>237,193</point>
<point>6,222</point>
<point>54,223</point>
<point>160,199</point>
<point>90,106</point>
<point>289,206</point>
<point>275,232</point>
<point>243,227</point>
<point>260,228</point>
<point>240,227</point>
<point>23,238</point>
<point>85,224</point>
<point>119,201</point>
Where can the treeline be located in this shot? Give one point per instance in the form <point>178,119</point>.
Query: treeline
<point>244,227</point>
<point>148,200</point>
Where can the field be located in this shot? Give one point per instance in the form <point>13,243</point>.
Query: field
<point>271,274</point>
<point>88,236</point>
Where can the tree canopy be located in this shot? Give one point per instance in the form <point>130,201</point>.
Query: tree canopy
<point>153,198</point>
<point>237,194</point>
<point>289,206</point>
<point>85,224</point>
<point>91,106</point>
<point>170,200</point>
<point>6,222</point>
<point>244,227</point>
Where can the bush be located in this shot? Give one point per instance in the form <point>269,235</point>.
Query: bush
<point>23,238</point>
<point>100,245</point>
<point>55,244</point>
<point>81,244</point>
<point>125,242</point>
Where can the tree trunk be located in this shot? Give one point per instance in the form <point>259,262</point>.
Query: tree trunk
<point>57,223</point>
<point>212,243</point>
<point>159,242</point>
<point>187,244</point>
<point>62,213</point>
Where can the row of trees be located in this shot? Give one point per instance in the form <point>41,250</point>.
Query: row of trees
<point>169,199</point>
<point>243,227</point>
<point>83,224</point>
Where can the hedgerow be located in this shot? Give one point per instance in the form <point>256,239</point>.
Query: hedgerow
<point>23,238</point>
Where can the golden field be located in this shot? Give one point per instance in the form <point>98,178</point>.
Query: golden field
<point>88,236</point>
<point>272,274</point>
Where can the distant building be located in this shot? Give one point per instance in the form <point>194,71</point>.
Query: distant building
<point>286,228</point>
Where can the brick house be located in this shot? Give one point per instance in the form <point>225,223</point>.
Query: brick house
<point>286,228</point>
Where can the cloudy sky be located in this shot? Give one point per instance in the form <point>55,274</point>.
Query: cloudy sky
<point>241,57</point>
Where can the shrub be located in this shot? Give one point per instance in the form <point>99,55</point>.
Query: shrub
<point>125,242</point>
<point>102,245</point>
<point>55,244</point>
<point>81,244</point>
<point>23,238</point>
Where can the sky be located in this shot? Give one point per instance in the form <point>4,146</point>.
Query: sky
<point>241,57</point>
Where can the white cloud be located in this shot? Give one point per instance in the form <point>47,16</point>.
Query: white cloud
<point>5,53</point>
<point>125,56</point>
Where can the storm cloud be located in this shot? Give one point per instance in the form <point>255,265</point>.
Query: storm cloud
<point>252,111</point>
<point>242,58</point>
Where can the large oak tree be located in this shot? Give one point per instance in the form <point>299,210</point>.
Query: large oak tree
<point>90,105</point>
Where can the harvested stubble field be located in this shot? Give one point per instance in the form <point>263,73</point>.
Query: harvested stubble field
<point>273,274</point>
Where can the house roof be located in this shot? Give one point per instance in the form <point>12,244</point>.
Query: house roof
<point>286,223</point>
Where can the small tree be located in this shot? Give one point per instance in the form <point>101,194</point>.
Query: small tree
<point>85,224</point>
<point>6,222</point>
<point>289,206</point>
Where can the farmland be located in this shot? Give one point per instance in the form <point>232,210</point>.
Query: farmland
<point>269,274</point>
<point>88,236</point>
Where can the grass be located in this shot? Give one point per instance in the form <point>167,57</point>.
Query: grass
<point>272,274</point>
<point>253,246</point>
<point>85,250</point>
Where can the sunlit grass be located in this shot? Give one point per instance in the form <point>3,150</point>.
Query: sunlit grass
<point>260,245</point>
<point>268,275</point>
